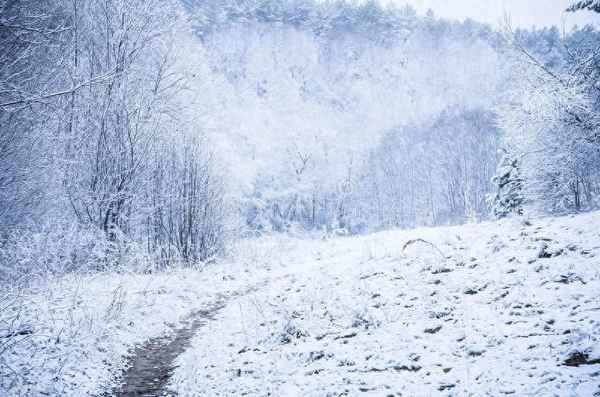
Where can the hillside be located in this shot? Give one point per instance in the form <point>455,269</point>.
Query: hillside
<point>487,309</point>
<point>483,309</point>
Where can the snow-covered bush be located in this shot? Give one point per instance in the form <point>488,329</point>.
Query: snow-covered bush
<point>56,250</point>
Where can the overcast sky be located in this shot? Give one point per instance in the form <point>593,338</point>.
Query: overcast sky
<point>523,13</point>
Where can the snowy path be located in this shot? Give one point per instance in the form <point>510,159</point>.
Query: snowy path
<point>103,334</point>
<point>152,364</point>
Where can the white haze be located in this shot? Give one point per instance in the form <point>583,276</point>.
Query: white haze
<point>272,94</point>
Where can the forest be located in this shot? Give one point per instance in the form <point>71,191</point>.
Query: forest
<point>142,136</point>
<point>155,132</point>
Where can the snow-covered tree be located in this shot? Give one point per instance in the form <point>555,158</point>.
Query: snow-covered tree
<point>507,194</point>
<point>32,38</point>
<point>552,118</point>
<point>592,5</point>
<point>99,130</point>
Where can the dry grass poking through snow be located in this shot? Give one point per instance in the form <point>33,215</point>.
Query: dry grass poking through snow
<point>492,309</point>
<point>498,308</point>
<point>74,335</point>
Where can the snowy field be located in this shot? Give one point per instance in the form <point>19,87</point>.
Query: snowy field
<point>486,309</point>
<point>483,310</point>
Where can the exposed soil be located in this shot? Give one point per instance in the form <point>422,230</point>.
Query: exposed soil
<point>578,358</point>
<point>152,364</point>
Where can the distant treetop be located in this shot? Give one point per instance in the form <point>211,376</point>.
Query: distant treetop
<point>592,5</point>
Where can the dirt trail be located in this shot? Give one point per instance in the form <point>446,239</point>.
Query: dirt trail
<point>152,363</point>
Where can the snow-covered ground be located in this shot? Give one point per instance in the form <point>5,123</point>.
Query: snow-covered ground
<point>486,309</point>
<point>73,336</point>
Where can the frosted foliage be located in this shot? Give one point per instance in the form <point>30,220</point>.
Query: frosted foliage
<point>592,5</point>
<point>295,197</point>
<point>554,123</point>
<point>178,125</point>
<point>306,110</point>
<point>333,97</point>
<point>507,197</point>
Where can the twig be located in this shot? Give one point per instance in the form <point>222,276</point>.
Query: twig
<point>420,240</point>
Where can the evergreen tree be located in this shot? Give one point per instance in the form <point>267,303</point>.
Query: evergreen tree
<point>508,184</point>
<point>592,5</point>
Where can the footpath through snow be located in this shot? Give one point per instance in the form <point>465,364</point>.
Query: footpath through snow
<point>490,309</point>
<point>79,335</point>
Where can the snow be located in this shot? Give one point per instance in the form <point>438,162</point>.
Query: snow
<point>83,328</point>
<point>481,309</point>
<point>484,315</point>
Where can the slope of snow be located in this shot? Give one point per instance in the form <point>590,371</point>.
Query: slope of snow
<point>488,309</point>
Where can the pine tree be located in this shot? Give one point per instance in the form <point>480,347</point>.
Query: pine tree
<point>508,197</point>
<point>592,5</point>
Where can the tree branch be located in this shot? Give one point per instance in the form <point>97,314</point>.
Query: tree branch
<point>95,80</point>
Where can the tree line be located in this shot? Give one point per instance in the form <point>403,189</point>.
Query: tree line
<point>98,140</point>
<point>125,124</point>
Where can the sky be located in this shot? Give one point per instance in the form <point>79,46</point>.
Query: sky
<point>523,13</point>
